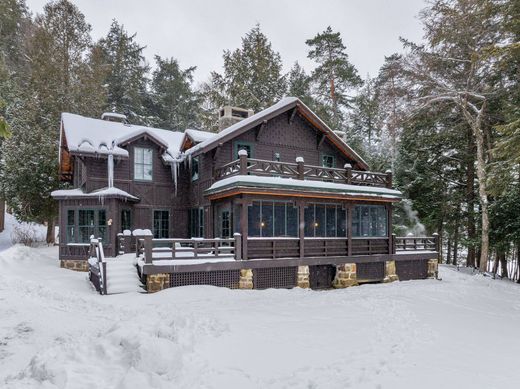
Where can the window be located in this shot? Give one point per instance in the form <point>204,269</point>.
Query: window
<point>71,225</point>
<point>328,161</point>
<point>126,219</point>
<point>83,223</point>
<point>272,218</point>
<point>369,220</point>
<point>226,224</point>
<point>197,222</point>
<point>161,224</point>
<point>195,168</point>
<point>143,164</point>
<point>325,220</point>
<point>276,157</point>
<point>244,146</point>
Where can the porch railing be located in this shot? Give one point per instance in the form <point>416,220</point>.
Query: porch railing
<point>300,171</point>
<point>98,270</point>
<point>152,249</point>
<point>416,243</point>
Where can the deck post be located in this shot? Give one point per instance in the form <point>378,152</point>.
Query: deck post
<point>242,156</point>
<point>392,244</point>
<point>300,168</point>
<point>238,246</point>
<point>437,242</point>
<point>148,245</point>
<point>389,179</point>
<point>244,228</point>
<point>349,209</point>
<point>301,227</point>
<point>348,173</point>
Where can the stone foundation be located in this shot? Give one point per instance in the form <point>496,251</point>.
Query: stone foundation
<point>433,268</point>
<point>390,272</point>
<point>303,277</point>
<point>246,279</point>
<point>74,264</point>
<point>345,276</point>
<point>157,282</point>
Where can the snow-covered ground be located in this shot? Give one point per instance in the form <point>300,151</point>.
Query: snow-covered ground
<point>56,332</point>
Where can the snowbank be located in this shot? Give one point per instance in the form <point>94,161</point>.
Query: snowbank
<point>55,332</point>
<point>11,224</point>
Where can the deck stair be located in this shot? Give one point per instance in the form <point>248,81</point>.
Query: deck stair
<point>122,276</point>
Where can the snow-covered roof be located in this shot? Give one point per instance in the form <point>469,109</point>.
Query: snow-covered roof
<point>198,135</point>
<point>113,115</point>
<point>244,123</point>
<point>281,106</point>
<point>104,192</point>
<point>96,136</point>
<point>308,185</point>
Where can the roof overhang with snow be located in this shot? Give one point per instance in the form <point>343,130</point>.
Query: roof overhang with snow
<point>278,186</point>
<point>66,194</point>
<point>284,105</point>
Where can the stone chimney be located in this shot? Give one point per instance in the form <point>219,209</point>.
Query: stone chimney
<point>227,116</point>
<point>114,117</point>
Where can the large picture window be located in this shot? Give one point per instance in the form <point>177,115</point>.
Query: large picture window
<point>369,220</point>
<point>325,220</point>
<point>143,164</point>
<point>272,218</point>
<point>161,224</point>
<point>197,222</point>
<point>84,223</point>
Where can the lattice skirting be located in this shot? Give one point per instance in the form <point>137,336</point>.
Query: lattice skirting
<point>224,278</point>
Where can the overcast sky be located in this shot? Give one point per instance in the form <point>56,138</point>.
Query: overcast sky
<point>196,32</point>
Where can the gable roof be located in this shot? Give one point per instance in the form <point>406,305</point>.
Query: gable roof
<point>83,135</point>
<point>282,106</point>
<point>193,137</point>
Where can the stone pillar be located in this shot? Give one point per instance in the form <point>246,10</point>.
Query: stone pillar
<point>157,282</point>
<point>433,268</point>
<point>390,272</point>
<point>303,277</point>
<point>345,276</point>
<point>246,279</point>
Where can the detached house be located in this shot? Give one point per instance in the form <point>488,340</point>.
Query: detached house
<point>270,200</point>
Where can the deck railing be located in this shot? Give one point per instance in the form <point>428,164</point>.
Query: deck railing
<point>151,249</point>
<point>300,171</point>
<point>98,274</point>
<point>187,249</point>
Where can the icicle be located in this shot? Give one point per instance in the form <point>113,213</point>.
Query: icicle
<point>175,173</point>
<point>110,170</point>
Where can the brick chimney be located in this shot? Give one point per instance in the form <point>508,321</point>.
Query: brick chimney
<point>228,115</point>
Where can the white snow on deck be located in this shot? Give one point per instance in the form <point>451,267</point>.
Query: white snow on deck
<point>307,184</point>
<point>56,332</point>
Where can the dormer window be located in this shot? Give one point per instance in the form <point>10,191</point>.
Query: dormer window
<point>143,164</point>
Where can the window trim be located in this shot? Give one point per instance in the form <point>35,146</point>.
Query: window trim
<point>153,221</point>
<point>238,143</point>
<point>121,218</point>
<point>76,225</point>
<point>386,226</point>
<point>197,159</point>
<point>135,162</point>
<point>200,222</point>
<point>323,155</point>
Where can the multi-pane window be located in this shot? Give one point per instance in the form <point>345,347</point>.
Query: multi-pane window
<point>126,219</point>
<point>161,224</point>
<point>272,218</point>
<point>328,161</point>
<point>84,223</point>
<point>226,224</point>
<point>244,146</point>
<point>143,164</point>
<point>195,168</point>
<point>369,220</point>
<point>197,222</point>
<point>325,220</point>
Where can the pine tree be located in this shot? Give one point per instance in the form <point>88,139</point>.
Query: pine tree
<point>252,73</point>
<point>175,104</point>
<point>299,85</point>
<point>334,76</point>
<point>127,70</point>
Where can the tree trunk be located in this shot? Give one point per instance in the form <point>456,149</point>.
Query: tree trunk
<point>50,232</point>
<point>448,254</point>
<point>470,200</point>
<point>503,264</point>
<point>495,263</point>
<point>518,262</point>
<point>456,242</point>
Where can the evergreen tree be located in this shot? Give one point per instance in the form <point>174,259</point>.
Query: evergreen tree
<point>175,105</point>
<point>334,76</point>
<point>126,79</point>
<point>299,85</point>
<point>252,73</point>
